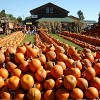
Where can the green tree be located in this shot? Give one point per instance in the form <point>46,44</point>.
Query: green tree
<point>19,19</point>
<point>80,15</point>
<point>2,14</point>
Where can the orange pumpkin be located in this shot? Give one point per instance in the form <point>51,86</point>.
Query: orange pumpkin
<point>17,72</point>
<point>76,93</point>
<point>48,65</point>
<point>21,49</point>
<point>82,83</point>
<point>27,81</point>
<point>70,82</point>
<point>56,71</point>
<point>14,82</point>
<point>19,57</point>
<point>49,84</point>
<point>24,66</point>
<point>95,82</point>
<point>33,94</point>
<point>62,94</point>
<point>69,63</point>
<point>62,57</point>
<point>42,59</point>
<point>34,64</point>
<point>62,64</point>
<point>49,95</point>
<point>51,55</point>
<point>91,93</point>
<point>41,74</point>
<point>89,73</point>
<point>4,73</point>
<point>97,68</point>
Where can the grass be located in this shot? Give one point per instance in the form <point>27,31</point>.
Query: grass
<point>2,35</point>
<point>66,41</point>
<point>29,38</point>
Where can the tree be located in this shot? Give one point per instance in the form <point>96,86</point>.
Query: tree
<point>80,15</point>
<point>2,13</point>
<point>19,19</point>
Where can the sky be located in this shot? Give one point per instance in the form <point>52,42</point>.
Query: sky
<point>90,8</point>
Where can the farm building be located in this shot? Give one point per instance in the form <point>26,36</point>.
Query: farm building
<point>52,13</point>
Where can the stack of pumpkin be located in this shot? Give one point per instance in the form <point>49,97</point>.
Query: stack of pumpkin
<point>13,39</point>
<point>26,73</point>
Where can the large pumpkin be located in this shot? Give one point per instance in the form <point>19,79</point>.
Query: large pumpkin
<point>27,81</point>
<point>70,82</point>
<point>76,93</point>
<point>14,82</point>
<point>19,57</point>
<point>34,64</point>
<point>34,94</point>
<point>56,71</point>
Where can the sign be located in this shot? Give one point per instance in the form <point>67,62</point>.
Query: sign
<point>34,16</point>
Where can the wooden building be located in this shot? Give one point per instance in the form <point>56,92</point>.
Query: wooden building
<point>48,10</point>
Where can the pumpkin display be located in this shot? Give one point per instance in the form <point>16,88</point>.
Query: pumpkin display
<point>48,70</point>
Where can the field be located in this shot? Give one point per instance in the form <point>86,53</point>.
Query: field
<point>31,38</point>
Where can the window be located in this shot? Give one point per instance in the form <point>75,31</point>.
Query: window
<point>51,9</point>
<point>47,9</point>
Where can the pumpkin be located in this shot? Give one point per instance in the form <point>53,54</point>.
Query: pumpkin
<point>41,74</point>
<point>95,82</point>
<point>34,64</point>
<point>24,66</point>
<point>19,57</point>
<point>27,81</point>
<point>56,71</point>
<point>4,73</point>
<point>48,65</point>
<point>76,93</point>
<point>62,94</point>
<point>34,94</point>
<point>82,83</point>
<point>91,93</point>
<point>70,82</point>
<point>14,83</point>
<point>2,57</point>
<point>51,55</point>
<point>75,72</point>
<point>89,73</point>
<point>17,72</point>
<point>89,56</point>
<point>49,84</point>
<point>62,64</point>
<point>42,59</point>
<point>77,64</point>
<point>21,49</point>
<point>62,57</point>
<point>49,95</point>
<point>69,63</point>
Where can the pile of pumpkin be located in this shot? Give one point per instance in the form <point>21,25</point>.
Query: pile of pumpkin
<point>13,39</point>
<point>91,44</point>
<point>27,73</point>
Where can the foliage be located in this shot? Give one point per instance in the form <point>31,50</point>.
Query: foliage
<point>80,15</point>
<point>19,19</point>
